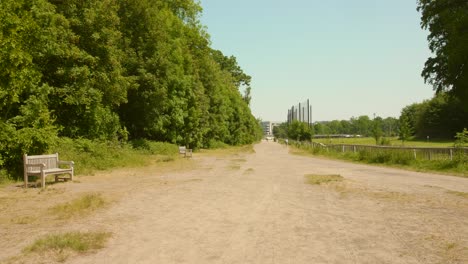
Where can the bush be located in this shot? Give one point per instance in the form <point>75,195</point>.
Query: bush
<point>15,143</point>
<point>216,144</point>
<point>153,147</point>
<point>385,141</point>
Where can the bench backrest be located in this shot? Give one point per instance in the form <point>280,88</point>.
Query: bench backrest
<point>51,161</point>
<point>182,149</point>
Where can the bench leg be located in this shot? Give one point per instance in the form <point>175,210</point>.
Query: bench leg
<point>71,174</point>
<point>43,180</point>
<point>25,180</point>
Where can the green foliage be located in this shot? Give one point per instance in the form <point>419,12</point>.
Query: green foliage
<point>362,125</point>
<point>155,148</point>
<point>461,141</point>
<point>405,128</point>
<point>446,21</point>
<point>215,144</point>
<point>112,70</point>
<point>299,131</point>
<point>385,141</point>
<point>440,117</point>
<point>281,131</point>
<point>377,129</point>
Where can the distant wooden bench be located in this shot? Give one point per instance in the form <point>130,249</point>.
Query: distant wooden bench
<point>185,151</point>
<point>44,165</point>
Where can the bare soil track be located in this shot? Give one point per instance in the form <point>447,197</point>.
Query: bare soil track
<point>253,208</point>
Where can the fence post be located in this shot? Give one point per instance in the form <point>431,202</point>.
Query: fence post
<point>414,152</point>
<point>354,147</point>
<point>342,147</point>
<point>451,154</point>
<point>430,154</point>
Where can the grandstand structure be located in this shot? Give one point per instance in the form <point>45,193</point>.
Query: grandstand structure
<point>301,112</point>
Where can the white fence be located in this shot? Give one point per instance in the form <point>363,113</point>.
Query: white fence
<point>416,152</point>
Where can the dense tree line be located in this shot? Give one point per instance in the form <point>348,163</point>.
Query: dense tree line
<point>113,69</point>
<point>440,117</point>
<point>362,125</point>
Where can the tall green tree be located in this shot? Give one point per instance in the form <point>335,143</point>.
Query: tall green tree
<point>405,130</point>
<point>447,22</point>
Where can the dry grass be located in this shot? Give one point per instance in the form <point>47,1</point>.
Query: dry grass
<point>234,167</point>
<point>247,149</point>
<point>239,160</point>
<point>59,247</point>
<point>460,194</point>
<point>321,179</point>
<point>79,207</point>
<point>249,171</point>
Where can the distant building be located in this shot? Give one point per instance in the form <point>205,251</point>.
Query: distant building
<point>301,112</point>
<point>268,127</point>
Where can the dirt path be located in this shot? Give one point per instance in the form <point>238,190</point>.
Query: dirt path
<point>257,208</point>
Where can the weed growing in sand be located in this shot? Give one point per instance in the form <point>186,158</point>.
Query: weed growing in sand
<point>80,206</point>
<point>320,179</point>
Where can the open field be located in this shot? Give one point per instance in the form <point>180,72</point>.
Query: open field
<point>393,141</point>
<point>240,206</point>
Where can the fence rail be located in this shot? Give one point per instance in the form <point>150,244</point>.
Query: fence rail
<point>424,153</point>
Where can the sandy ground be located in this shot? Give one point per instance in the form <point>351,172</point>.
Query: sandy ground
<point>254,208</point>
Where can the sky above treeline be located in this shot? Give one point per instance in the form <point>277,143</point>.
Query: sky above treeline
<point>350,58</point>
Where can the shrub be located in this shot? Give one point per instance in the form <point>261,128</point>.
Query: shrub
<point>216,144</point>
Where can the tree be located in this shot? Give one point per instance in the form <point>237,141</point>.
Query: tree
<point>447,22</point>
<point>405,129</point>
<point>299,131</point>
<point>377,129</point>
<point>281,131</point>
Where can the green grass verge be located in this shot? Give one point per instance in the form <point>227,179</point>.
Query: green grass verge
<point>392,158</point>
<point>394,141</point>
<point>79,207</point>
<point>317,179</point>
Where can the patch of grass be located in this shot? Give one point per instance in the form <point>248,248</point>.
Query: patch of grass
<point>461,194</point>
<point>5,179</point>
<point>231,150</point>
<point>320,179</point>
<point>23,220</point>
<point>239,160</point>
<point>75,241</point>
<point>78,207</point>
<point>234,167</point>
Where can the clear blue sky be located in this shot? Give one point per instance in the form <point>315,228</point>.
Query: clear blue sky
<point>349,57</point>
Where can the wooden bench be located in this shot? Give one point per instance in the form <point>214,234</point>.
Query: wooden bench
<point>185,151</point>
<point>43,165</point>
